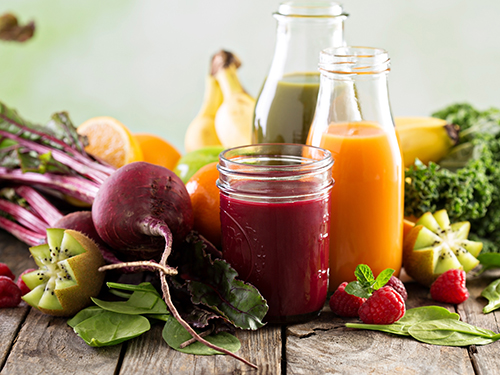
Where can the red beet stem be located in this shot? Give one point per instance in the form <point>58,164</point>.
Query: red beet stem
<point>40,204</point>
<point>166,296</point>
<point>76,187</point>
<point>27,236</point>
<point>23,216</point>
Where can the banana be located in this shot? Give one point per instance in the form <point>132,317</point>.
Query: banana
<point>201,131</point>
<point>425,138</point>
<point>233,121</point>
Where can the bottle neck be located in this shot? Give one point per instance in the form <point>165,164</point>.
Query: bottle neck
<point>357,98</point>
<point>299,41</point>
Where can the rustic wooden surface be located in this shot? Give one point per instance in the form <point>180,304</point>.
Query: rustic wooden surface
<point>34,343</point>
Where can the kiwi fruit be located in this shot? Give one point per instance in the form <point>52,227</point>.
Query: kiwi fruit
<point>435,245</point>
<point>68,274</point>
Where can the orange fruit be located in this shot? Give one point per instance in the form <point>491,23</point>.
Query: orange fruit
<point>407,226</point>
<point>205,201</point>
<point>110,141</point>
<point>157,150</point>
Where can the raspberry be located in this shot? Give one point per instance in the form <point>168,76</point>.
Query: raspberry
<point>450,287</point>
<point>385,306</point>
<point>5,271</point>
<point>345,304</point>
<point>21,284</point>
<point>398,286</point>
<point>10,294</point>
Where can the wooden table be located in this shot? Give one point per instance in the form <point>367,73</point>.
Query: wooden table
<point>34,343</point>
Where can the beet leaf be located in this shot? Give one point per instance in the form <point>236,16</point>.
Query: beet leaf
<point>214,283</point>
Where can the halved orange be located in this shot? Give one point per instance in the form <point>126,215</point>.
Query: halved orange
<point>157,150</point>
<point>110,141</point>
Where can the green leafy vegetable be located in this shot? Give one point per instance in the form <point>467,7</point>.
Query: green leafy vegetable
<point>110,323</point>
<point>213,283</point>
<point>450,332</point>
<point>434,325</point>
<point>98,327</point>
<point>174,335</point>
<point>366,283</point>
<point>492,294</point>
<point>411,317</point>
<point>144,300</point>
<point>467,182</point>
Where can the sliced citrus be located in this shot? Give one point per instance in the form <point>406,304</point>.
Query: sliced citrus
<point>205,201</point>
<point>157,150</point>
<point>110,141</point>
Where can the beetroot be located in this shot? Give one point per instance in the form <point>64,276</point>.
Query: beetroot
<point>140,209</point>
<point>81,221</point>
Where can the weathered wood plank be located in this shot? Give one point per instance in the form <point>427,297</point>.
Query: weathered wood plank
<point>16,255</point>
<point>149,354</point>
<point>47,345</point>
<point>326,346</point>
<point>484,358</point>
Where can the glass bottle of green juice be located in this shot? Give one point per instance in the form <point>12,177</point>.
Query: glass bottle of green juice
<point>285,106</point>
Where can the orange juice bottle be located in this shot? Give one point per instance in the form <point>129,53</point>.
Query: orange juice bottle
<point>353,120</point>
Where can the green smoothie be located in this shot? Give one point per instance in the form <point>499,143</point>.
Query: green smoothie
<point>286,116</point>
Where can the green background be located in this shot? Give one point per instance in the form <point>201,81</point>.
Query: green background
<point>144,61</point>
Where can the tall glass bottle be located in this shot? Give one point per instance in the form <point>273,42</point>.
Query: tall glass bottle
<point>286,103</point>
<point>353,120</point>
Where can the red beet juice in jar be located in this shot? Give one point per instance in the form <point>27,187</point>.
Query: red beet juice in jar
<point>275,204</point>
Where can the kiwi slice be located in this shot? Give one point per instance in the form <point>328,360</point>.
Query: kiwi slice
<point>435,245</point>
<point>67,275</point>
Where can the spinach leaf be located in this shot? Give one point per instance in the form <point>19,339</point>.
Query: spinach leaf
<point>109,328</point>
<point>411,317</point>
<point>138,303</point>
<point>492,294</point>
<point>489,260</point>
<point>85,314</point>
<point>450,332</point>
<point>174,335</point>
<point>142,287</point>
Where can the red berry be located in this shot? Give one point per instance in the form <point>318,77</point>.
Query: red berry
<point>345,304</point>
<point>450,287</point>
<point>21,284</point>
<point>10,294</point>
<point>385,306</point>
<point>5,271</point>
<point>398,285</point>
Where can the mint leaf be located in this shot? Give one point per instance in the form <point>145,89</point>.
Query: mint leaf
<point>364,275</point>
<point>356,289</point>
<point>383,278</point>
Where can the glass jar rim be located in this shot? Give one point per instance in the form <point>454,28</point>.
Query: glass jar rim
<point>314,9</point>
<point>354,60</point>
<point>244,160</point>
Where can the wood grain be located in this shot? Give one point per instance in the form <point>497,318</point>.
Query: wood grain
<point>325,346</point>
<point>47,345</point>
<point>485,358</point>
<point>149,354</point>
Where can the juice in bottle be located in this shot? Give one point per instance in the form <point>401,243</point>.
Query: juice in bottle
<point>367,215</point>
<point>286,117</point>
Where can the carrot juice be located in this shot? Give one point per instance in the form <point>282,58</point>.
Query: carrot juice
<point>366,222</point>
